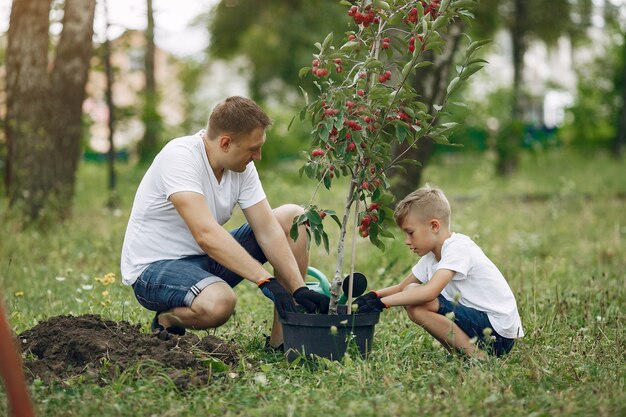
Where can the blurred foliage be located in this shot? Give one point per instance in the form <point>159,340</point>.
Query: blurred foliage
<point>594,116</point>
<point>276,36</point>
<point>547,19</point>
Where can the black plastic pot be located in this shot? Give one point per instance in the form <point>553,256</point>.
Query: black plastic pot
<point>311,334</point>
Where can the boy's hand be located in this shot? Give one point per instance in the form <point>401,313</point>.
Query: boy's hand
<point>372,306</point>
<point>283,301</point>
<point>362,300</point>
<point>312,301</point>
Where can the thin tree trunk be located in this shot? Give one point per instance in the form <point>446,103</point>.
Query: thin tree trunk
<point>106,58</point>
<point>151,118</point>
<point>430,83</point>
<point>619,143</point>
<point>44,106</point>
<point>509,143</point>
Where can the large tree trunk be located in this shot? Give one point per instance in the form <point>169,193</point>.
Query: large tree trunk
<point>44,105</point>
<point>430,83</point>
<point>148,147</point>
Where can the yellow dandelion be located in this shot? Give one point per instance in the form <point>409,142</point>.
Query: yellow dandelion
<point>107,279</point>
<point>19,293</point>
<point>105,293</point>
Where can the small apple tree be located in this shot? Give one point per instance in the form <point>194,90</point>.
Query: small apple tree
<point>366,107</point>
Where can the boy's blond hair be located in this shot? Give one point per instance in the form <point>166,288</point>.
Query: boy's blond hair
<point>427,202</point>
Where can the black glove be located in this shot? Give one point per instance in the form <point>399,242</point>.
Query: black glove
<point>280,296</point>
<point>362,300</point>
<point>312,301</point>
<point>372,306</point>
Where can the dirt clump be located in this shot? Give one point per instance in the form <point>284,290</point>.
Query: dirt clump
<point>64,347</point>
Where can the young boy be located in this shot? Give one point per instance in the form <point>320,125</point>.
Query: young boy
<point>454,276</point>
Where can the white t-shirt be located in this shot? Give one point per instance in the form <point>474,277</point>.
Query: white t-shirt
<point>155,229</point>
<point>477,281</point>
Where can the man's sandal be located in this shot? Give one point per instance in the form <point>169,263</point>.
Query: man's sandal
<point>158,328</point>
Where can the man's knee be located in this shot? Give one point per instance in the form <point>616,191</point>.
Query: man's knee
<point>215,305</point>
<point>286,213</point>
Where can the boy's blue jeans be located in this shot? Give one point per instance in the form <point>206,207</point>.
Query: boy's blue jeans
<point>473,323</point>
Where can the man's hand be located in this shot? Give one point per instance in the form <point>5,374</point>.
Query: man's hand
<point>362,300</point>
<point>312,301</point>
<point>372,306</point>
<point>281,298</point>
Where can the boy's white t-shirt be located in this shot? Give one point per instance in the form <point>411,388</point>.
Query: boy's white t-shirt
<point>155,229</point>
<point>477,281</point>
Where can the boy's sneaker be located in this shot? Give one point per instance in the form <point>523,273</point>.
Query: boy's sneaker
<point>157,327</point>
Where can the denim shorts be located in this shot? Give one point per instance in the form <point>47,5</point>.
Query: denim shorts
<point>170,283</point>
<point>473,323</point>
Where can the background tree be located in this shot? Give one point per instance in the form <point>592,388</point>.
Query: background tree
<point>148,147</point>
<point>527,20</point>
<point>44,105</point>
<point>430,83</point>
<point>619,80</point>
<point>599,107</point>
<point>275,36</point>
<point>108,73</point>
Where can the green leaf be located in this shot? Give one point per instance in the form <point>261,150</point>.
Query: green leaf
<point>306,97</point>
<point>313,217</point>
<point>291,122</point>
<point>379,4</point>
<point>444,5</point>
<point>453,84</point>
<point>401,132</point>
<point>345,3</point>
<point>293,232</point>
<point>335,218</point>
<point>476,61</point>
<point>304,71</point>
<point>464,4</point>
<point>372,62</point>
<point>440,21</point>
<point>406,69</point>
<point>216,364</point>
<point>326,243</point>
<point>468,71</point>
<point>396,19</point>
<point>376,195</point>
<point>327,41</point>
<point>318,236</point>
<point>474,46</point>
<point>349,46</point>
<point>409,161</point>
<point>327,182</point>
<point>422,64</point>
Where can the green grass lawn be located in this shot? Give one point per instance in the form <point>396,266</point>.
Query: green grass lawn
<point>556,229</point>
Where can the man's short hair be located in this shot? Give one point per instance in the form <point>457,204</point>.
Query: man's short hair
<point>236,115</point>
<point>427,202</point>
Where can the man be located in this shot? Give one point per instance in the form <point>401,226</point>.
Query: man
<point>177,256</point>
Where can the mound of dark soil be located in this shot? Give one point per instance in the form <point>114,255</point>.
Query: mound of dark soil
<point>63,347</point>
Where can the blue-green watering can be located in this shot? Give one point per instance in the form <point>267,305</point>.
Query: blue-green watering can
<point>322,285</point>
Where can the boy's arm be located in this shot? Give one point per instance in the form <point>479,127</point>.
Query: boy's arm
<point>422,294</point>
<point>394,289</point>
